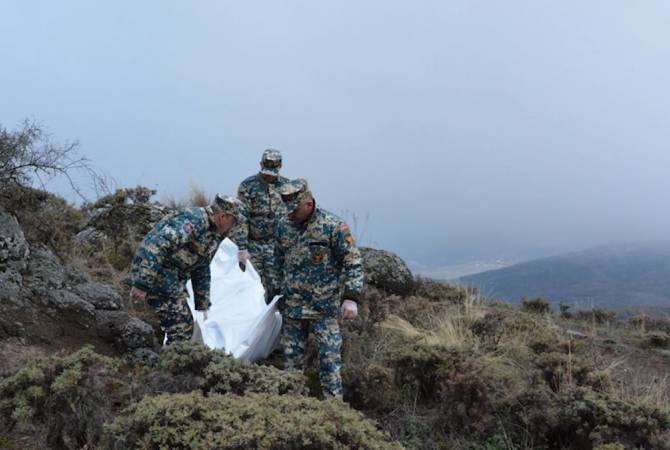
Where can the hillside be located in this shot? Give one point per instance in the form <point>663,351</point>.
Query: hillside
<point>615,276</point>
<point>426,365</point>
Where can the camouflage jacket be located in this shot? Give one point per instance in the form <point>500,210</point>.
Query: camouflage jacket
<point>263,208</point>
<point>179,247</point>
<point>317,265</point>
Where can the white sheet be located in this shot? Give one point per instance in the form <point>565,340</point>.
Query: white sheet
<point>238,321</point>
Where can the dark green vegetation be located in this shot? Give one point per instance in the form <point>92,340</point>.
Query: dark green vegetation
<point>85,399</point>
<point>607,277</point>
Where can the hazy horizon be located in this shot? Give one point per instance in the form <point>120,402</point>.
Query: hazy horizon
<point>454,131</point>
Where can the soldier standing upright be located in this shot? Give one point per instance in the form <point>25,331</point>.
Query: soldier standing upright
<point>262,209</point>
<point>179,247</point>
<point>319,272</point>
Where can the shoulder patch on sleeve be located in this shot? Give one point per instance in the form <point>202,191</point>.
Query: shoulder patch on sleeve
<point>187,227</point>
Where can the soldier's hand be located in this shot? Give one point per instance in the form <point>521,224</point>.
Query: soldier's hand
<point>138,294</point>
<point>349,310</point>
<point>243,256</point>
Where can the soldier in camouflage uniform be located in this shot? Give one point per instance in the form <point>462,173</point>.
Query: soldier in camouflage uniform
<point>263,207</point>
<point>179,247</point>
<point>320,275</point>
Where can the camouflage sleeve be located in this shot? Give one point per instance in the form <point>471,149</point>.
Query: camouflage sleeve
<point>240,234</point>
<point>200,279</point>
<point>149,260</point>
<point>349,256</point>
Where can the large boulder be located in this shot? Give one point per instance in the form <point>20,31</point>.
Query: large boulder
<point>387,271</point>
<point>102,296</point>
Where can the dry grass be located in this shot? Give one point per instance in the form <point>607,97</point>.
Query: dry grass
<point>197,197</point>
<point>450,327</point>
<point>641,387</point>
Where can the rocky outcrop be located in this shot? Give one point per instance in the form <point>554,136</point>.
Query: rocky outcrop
<point>387,271</point>
<point>45,301</point>
<point>119,223</point>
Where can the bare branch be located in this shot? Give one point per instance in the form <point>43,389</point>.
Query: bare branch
<point>28,155</point>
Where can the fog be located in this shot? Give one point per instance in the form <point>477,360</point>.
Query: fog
<point>444,131</point>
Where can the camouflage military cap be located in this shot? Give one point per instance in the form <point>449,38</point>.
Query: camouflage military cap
<point>294,193</point>
<point>227,205</point>
<point>271,162</point>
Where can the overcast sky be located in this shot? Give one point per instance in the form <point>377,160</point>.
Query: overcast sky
<point>453,130</point>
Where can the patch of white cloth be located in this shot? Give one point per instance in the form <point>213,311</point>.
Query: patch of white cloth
<point>238,321</point>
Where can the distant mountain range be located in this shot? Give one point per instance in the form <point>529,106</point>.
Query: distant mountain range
<point>455,271</point>
<point>613,276</point>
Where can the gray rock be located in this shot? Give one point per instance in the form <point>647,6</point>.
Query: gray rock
<point>387,271</point>
<point>136,334</point>
<point>91,240</point>
<point>109,324</point>
<point>101,296</point>
<point>46,269</point>
<point>126,331</point>
<point>576,334</point>
<point>67,306</point>
<point>10,284</point>
<point>14,249</point>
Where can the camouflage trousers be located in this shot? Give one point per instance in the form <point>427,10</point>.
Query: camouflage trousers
<point>172,317</point>
<point>329,342</point>
<point>263,257</point>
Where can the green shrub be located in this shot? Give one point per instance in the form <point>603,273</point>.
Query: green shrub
<point>188,358</point>
<point>537,305</point>
<point>565,311</point>
<point>441,291</point>
<point>561,369</point>
<point>64,399</point>
<point>239,377</point>
<point>123,196</point>
<point>610,447</point>
<point>186,366</point>
<point>45,218</point>
<point>656,339</point>
<point>258,421</point>
<point>596,316</point>
<point>646,323</point>
<point>590,418</point>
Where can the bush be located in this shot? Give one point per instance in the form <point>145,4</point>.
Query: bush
<point>647,323</point>
<point>565,311</point>
<point>536,306</point>
<point>656,339</point>
<point>258,421</point>
<point>45,218</point>
<point>596,316</point>
<point>123,196</point>
<point>590,418</point>
<point>186,366</point>
<point>440,291</point>
<point>64,399</point>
